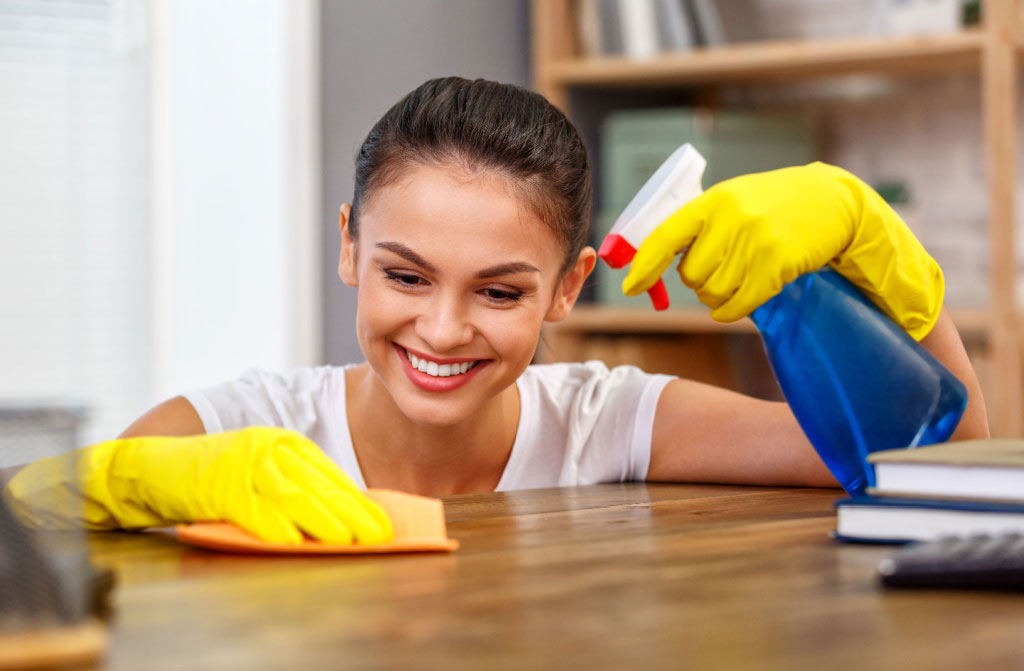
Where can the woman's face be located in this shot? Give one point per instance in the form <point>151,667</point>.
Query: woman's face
<point>456,275</point>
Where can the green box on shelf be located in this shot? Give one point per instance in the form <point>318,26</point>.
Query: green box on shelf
<point>635,142</point>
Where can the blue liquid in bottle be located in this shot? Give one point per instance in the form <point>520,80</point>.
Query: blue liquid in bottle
<point>855,380</point>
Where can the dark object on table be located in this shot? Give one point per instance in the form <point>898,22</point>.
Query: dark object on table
<point>52,599</point>
<point>984,561</point>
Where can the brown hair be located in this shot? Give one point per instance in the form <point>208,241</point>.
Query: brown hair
<point>482,124</point>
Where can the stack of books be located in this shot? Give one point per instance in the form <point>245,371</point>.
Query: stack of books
<point>925,493</point>
<point>640,29</point>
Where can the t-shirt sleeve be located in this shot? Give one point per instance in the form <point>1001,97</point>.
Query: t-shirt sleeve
<point>600,419</point>
<point>619,444</point>
<point>261,398</point>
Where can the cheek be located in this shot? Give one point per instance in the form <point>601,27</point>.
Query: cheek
<point>378,311</point>
<point>512,333</point>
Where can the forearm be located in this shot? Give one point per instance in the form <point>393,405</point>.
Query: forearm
<point>709,434</point>
<point>945,345</point>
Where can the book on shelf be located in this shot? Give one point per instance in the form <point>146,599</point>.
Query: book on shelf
<point>640,29</point>
<point>673,26</point>
<point>588,27</point>
<point>637,29</point>
<point>609,26</point>
<point>719,23</point>
<point>707,22</point>
<point>958,488</point>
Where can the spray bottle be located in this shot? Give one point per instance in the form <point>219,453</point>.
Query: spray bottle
<point>854,379</point>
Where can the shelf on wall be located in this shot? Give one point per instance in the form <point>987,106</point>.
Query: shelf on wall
<point>745,62</point>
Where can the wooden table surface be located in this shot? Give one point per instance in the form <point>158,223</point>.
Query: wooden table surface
<point>609,576</point>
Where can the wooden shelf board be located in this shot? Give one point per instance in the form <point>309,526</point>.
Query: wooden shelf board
<point>777,59</point>
<point>600,319</point>
<point>596,319</point>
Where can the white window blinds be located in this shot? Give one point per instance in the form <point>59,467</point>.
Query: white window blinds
<point>74,219</point>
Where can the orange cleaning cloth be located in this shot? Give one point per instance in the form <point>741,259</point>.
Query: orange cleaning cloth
<point>418,522</point>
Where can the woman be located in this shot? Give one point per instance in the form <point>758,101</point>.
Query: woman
<point>466,233</point>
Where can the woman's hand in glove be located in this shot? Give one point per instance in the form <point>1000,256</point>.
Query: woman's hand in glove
<point>274,483</point>
<point>750,235</point>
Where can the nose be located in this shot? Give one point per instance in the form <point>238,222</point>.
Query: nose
<point>445,325</point>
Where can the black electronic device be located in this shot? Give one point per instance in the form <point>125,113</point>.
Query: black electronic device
<point>983,561</point>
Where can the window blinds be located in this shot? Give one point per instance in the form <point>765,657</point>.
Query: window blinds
<point>74,210</point>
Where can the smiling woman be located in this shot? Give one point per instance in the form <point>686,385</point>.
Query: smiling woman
<point>466,233</point>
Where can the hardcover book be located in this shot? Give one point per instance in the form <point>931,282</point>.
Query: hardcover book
<point>877,519</point>
<point>988,469</point>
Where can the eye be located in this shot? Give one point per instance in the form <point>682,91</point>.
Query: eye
<point>502,295</point>
<point>403,279</point>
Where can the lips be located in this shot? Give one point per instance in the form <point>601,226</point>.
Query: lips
<point>438,375</point>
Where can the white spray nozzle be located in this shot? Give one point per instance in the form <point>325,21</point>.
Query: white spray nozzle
<point>676,182</point>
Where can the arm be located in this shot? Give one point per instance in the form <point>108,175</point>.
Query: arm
<point>944,343</point>
<point>706,434</point>
<point>175,417</point>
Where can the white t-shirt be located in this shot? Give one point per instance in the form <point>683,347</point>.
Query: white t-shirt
<point>579,423</point>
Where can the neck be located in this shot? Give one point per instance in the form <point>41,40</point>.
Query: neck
<point>396,453</point>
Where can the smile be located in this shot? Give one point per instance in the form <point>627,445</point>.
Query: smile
<point>436,369</point>
<point>438,375</point>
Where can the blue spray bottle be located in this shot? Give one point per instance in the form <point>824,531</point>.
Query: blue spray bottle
<point>855,380</point>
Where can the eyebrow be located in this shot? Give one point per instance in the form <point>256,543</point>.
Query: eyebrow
<point>493,271</point>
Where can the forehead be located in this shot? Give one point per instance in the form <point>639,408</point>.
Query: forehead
<point>479,212</point>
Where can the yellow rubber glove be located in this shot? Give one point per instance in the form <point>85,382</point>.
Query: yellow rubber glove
<point>751,235</point>
<point>274,483</point>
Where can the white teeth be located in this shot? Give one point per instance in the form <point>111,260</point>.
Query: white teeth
<point>439,370</point>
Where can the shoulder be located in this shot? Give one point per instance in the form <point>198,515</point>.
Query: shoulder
<point>583,423</point>
<point>590,383</point>
<point>582,374</point>
<point>301,379</point>
<point>293,398</point>
<point>564,373</point>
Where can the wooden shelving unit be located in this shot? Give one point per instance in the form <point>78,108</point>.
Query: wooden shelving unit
<point>778,60</point>
<point>992,51</point>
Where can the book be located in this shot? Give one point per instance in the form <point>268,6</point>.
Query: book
<point>639,32</point>
<point>589,27</point>
<point>879,519</point>
<point>610,25</point>
<point>717,23</point>
<point>674,32</point>
<point>707,23</point>
<point>989,469</point>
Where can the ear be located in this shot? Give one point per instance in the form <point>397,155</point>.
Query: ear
<point>569,288</point>
<point>347,257</point>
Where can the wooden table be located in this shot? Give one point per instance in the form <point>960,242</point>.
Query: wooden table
<point>611,576</point>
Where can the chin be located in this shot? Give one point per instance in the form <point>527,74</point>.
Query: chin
<point>436,414</point>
